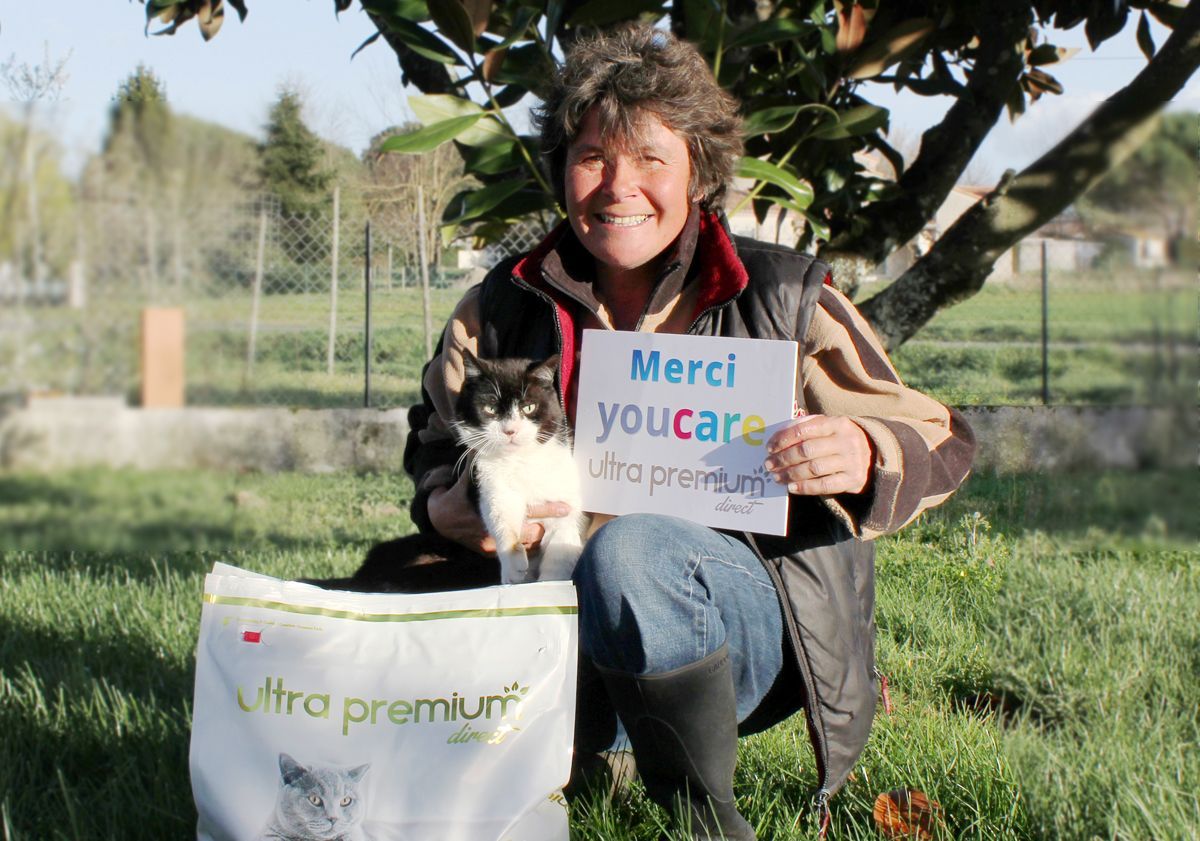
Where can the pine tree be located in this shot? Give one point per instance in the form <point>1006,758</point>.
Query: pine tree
<point>140,127</point>
<point>290,158</point>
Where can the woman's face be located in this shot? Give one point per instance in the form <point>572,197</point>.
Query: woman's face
<point>627,206</point>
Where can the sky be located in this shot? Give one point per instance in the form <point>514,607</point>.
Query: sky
<point>234,78</point>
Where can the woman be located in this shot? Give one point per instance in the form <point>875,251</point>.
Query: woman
<point>698,635</point>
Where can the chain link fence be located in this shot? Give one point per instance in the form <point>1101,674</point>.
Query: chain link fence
<point>276,311</point>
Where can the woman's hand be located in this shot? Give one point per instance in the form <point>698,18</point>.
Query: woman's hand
<point>455,518</point>
<point>821,455</point>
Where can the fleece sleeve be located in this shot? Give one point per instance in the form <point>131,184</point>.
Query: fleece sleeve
<point>431,452</point>
<point>922,449</point>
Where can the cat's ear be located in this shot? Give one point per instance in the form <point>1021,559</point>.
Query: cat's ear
<point>356,774</point>
<point>290,770</point>
<point>544,370</point>
<point>471,366</point>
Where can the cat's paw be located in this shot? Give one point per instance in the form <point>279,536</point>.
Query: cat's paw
<point>558,562</point>
<point>514,565</point>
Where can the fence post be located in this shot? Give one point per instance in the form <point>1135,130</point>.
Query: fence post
<point>367,325</point>
<point>389,269</point>
<point>256,297</point>
<point>333,282</point>
<point>424,271</point>
<point>1045,325</point>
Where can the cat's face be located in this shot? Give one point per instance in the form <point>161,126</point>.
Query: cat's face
<point>319,802</point>
<point>508,403</point>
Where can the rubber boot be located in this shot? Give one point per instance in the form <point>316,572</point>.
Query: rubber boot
<point>683,728</point>
<point>595,767</point>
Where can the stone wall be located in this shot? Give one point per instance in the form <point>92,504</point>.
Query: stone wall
<point>60,433</point>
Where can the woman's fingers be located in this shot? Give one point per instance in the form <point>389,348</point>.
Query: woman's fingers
<point>820,455</point>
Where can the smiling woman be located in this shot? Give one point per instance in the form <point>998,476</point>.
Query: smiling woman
<point>693,636</point>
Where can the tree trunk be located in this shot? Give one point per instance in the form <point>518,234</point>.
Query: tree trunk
<point>956,267</point>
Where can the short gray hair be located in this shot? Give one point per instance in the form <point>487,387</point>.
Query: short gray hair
<point>630,72</point>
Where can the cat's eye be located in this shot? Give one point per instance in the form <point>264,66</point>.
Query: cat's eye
<point>487,411</point>
<point>346,801</point>
<point>529,408</point>
<point>313,799</point>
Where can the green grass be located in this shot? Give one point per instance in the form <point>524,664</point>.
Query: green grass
<point>1041,636</point>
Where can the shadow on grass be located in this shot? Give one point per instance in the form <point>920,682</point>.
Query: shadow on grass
<point>1136,504</point>
<point>77,781</point>
<point>69,664</point>
<point>120,517</point>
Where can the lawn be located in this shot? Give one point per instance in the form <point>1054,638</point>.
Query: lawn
<point>1041,636</point>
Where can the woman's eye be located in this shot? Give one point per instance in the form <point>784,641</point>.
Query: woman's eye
<point>313,799</point>
<point>529,408</point>
<point>346,801</point>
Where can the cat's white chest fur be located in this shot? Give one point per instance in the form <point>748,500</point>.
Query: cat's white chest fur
<point>510,478</point>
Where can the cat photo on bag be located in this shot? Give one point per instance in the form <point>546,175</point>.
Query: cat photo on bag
<point>509,418</point>
<point>317,803</point>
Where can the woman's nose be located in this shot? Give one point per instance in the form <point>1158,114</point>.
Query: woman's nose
<point>619,177</point>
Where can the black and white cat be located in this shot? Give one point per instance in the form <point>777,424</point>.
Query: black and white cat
<point>317,803</point>
<point>518,449</point>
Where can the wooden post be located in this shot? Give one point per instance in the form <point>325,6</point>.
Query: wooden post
<point>424,272</point>
<point>367,323</point>
<point>1045,325</point>
<point>257,296</point>
<point>333,282</point>
<point>162,357</point>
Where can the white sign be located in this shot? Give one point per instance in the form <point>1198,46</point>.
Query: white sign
<point>671,424</point>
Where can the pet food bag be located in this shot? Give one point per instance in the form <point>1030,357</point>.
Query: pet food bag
<point>325,715</point>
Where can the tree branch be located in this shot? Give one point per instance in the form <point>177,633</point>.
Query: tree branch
<point>956,267</point>
<point>946,148</point>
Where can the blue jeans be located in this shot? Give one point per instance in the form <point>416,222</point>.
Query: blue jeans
<point>657,593</point>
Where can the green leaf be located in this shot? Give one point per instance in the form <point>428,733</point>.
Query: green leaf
<point>414,10</point>
<point>371,40</point>
<point>525,16</point>
<point>770,120</point>
<point>432,108</point>
<point>1044,54</point>
<point>431,136</point>
<point>605,12</point>
<point>421,41</point>
<point>772,174</point>
<point>1144,39</point>
<point>896,43</point>
<point>818,226</point>
<point>769,32</point>
<point>703,22</point>
<point>472,204</point>
<point>453,23</point>
<point>527,66</point>
<point>863,119</point>
<point>778,118</point>
<point>493,159</point>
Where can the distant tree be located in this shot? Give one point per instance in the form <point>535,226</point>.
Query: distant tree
<point>140,127</point>
<point>1156,186</point>
<point>291,158</point>
<point>391,192</point>
<point>29,85</point>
